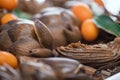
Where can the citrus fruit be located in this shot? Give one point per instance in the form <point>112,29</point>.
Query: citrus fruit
<point>82,11</point>
<point>8,4</point>
<point>88,30</point>
<point>7,17</point>
<point>99,2</point>
<point>8,58</point>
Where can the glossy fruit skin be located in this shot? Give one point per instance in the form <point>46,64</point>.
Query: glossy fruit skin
<point>7,17</point>
<point>82,12</point>
<point>88,30</point>
<point>8,4</point>
<point>99,2</point>
<point>8,58</point>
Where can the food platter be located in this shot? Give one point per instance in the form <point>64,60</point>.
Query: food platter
<point>59,40</point>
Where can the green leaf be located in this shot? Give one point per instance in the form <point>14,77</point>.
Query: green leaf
<point>107,24</point>
<point>21,14</point>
